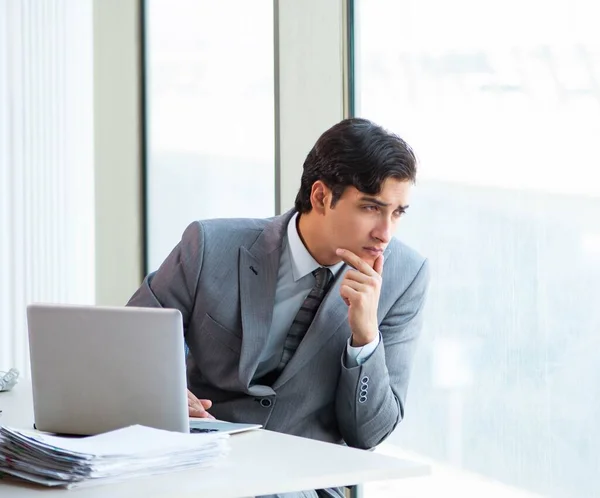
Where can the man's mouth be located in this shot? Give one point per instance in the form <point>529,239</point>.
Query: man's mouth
<point>375,251</point>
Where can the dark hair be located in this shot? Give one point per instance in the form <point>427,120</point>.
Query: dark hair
<point>355,152</point>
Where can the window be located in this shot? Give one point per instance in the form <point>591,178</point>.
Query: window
<point>501,102</point>
<point>210,116</point>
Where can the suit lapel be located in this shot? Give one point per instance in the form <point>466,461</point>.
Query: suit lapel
<point>258,269</point>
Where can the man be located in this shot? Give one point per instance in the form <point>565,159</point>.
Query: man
<point>306,323</point>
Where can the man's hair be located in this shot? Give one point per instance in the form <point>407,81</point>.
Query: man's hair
<point>355,152</point>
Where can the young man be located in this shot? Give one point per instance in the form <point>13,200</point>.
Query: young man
<point>307,322</point>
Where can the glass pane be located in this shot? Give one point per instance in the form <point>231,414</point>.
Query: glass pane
<point>501,102</point>
<point>210,124</point>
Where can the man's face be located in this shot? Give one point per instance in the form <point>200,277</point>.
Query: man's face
<point>363,223</point>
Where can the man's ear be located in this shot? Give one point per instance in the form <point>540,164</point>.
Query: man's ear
<point>319,196</point>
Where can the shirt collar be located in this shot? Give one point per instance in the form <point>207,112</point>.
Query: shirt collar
<point>302,262</point>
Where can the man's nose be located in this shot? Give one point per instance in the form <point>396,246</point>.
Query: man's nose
<point>384,231</point>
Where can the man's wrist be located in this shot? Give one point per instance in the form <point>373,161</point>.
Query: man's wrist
<point>360,340</point>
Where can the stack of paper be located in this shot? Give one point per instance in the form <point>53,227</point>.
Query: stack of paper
<point>112,456</point>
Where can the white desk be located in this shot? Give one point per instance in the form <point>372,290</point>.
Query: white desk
<point>260,462</point>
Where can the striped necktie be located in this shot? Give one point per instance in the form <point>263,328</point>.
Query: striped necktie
<point>305,315</point>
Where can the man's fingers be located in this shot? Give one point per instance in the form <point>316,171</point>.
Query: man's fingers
<point>357,286</point>
<point>357,276</point>
<point>354,261</point>
<point>199,412</point>
<point>197,407</point>
<point>378,265</point>
<point>195,411</point>
<point>348,293</point>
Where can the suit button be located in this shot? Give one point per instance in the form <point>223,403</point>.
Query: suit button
<point>265,402</point>
<point>364,380</point>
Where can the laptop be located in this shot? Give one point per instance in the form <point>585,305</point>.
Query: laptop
<point>96,368</point>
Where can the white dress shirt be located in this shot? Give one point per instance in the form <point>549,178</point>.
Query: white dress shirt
<point>294,282</point>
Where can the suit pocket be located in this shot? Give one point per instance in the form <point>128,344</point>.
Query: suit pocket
<point>215,331</point>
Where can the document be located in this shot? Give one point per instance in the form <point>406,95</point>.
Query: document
<point>113,456</point>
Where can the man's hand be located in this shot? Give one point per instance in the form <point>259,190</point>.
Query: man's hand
<point>197,407</point>
<point>360,291</point>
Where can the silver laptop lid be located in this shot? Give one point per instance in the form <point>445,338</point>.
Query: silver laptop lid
<point>96,369</point>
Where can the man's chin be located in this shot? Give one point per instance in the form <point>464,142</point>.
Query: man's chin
<point>368,257</point>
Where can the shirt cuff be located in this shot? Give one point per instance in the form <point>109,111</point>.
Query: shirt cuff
<point>357,356</point>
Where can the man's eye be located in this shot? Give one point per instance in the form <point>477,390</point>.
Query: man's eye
<point>371,208</point>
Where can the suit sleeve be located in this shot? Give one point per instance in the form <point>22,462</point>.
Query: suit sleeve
<point>371,397</point>
<point>174,284</point>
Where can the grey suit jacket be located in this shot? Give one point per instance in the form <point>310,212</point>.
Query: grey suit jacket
<point>222,277</point>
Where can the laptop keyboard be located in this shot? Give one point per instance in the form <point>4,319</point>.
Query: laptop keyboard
<point>197,430</point>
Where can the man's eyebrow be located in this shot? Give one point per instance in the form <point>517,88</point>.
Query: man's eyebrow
<point>373,200</point>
